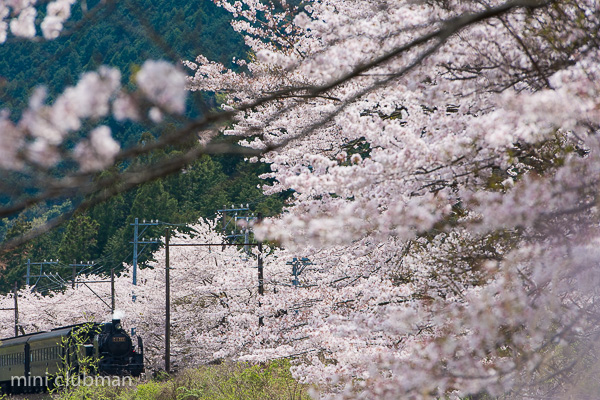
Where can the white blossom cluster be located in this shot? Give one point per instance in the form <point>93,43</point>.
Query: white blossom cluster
<point>164,85</point>
<point>57,12</point>
<point>38,137</point>
<point>20,16</point>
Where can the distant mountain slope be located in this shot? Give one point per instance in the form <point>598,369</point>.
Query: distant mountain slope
<point>121,34</point>
<point>124,34</point>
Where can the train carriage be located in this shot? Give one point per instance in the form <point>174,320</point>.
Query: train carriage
<point>46,352</point>
<point>12,358</point>
<point>28,363</point>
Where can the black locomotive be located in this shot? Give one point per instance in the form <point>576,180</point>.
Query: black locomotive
<point>33,362</point>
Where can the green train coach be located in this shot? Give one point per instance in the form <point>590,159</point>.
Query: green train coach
<point>34,362</point>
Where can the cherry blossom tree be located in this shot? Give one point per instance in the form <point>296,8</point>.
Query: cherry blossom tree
<point>443,161</point>
<point>443,158</point>
<point>211,288</point>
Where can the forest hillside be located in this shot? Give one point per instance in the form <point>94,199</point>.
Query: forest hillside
<point>124,35</point>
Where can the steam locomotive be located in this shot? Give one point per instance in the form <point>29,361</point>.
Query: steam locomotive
<point>33,362</point>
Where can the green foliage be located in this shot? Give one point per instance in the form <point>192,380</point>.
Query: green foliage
<point>74,359</point>
<point>110,217</point>
<point>13,261</point>
<point>79,239</point>
<point>148,390</point>
<point>104,234</point>
<point>123,35</point>
<point>200,188</point>
<point>153,202</point>
<point>272,381</point>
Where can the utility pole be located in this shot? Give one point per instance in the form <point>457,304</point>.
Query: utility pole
<point>298,267</point>
<point>224,210</point>
<point>74,273</point>
<point>261,281</point>
<point>74,270</point>
<point>135,250</point>
<point>16,310</point>
<point>112,290</point>
<point>167,304</point>
<point>136,242</point>
<point>28,271</point>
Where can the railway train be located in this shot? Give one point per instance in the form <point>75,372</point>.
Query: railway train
<point>33,362</point>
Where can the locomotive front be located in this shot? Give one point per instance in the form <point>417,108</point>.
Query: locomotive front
<point>116,351</point>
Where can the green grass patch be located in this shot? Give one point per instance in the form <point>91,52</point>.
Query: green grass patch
<point>228,381</point>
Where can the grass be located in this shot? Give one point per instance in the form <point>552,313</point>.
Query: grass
<point>228,381</point>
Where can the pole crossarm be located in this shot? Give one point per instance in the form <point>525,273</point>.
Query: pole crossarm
<point>28,275</point>
<point>298,266</point>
